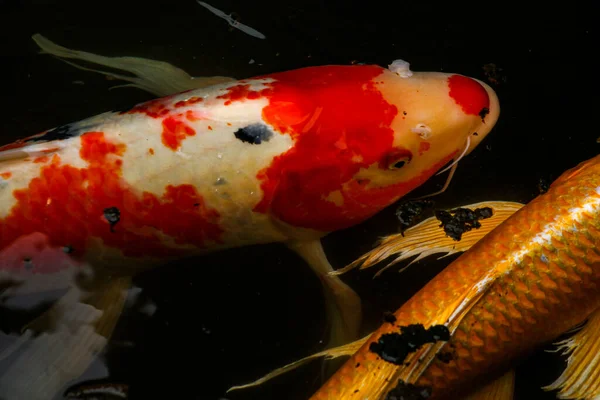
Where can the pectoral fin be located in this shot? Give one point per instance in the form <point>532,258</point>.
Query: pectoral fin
<point>343,304</point>
<point>581,377</point>
<point>428,238</point>
<point>60,345</point>
<point>336,352</point>
<point>502,388</point>
<point>157,77</point>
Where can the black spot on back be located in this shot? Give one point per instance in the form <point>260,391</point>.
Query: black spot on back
<point>60,133</point>
<point>254,134</point>
<point>113,216</point>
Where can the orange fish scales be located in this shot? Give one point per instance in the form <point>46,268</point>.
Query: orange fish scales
<point>557,243</point>
<point>564,287</point>
<point>460,335</point>
<point>535,292</point>
<point>510,295</point>
<point>477,355</point>
<point>513,312</point>
<point>504,333</point>
<point>486,314</point>
<point>475,326</point>
<point>540,308</point>
<point>500,318</point>
<point>529,319</point>
<point>582,267</point>
<point>520,286</point>
<point>436,371</point>
<point>556,271</point>
<point>463,365</point>
<point>525,302</point>
<point>552,299</point>
<point>593,233</point>
<point>489,330</point>
<point>585,242</point>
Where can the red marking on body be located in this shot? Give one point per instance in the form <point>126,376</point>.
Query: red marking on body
<point>67,205</point>
<point>210,128</point>
<point>188,102</point>
<point>423,147</point>
<point>6,175</point>
<point>242,92</point>
<point>42,159</point>
<point>151,151</point>
<point>174,132</point>
<point>468,94</point>
<point>191,116</point>
<point>153,108</point>
<point>340,123</point>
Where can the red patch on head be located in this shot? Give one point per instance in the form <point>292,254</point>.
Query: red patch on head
<point>340,123</point>
<point>6,175</point>
<point>468,94</point>
<point>67,204</point>
<point>423,147</point>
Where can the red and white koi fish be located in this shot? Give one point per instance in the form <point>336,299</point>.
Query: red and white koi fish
<point>286,157</point>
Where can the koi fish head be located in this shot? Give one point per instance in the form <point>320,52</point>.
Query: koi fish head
<point>364,136</point>
<point>440,118</point>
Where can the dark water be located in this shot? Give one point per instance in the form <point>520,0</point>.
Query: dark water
<point>231,317</point>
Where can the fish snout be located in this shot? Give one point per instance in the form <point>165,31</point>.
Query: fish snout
<point>489,116</point>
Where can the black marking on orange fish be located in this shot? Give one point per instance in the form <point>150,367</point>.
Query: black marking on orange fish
<point>460,220</point>
<point>395,347</point>
<point>408,391</point>
<point>389,317</point>
<point>446,356</point>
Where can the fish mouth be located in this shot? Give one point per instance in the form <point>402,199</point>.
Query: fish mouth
<point>488,120</point>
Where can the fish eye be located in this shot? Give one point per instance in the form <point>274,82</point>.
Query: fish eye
<point>396,159</point>
<point>400,163</point>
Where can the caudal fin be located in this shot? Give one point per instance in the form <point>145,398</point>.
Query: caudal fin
<point>71,335</point>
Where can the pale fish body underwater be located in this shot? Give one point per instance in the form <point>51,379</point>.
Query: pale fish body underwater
<point>286,157</point>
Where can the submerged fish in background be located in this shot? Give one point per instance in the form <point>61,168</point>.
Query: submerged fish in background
<point>286,157</point>
<point>231,21</point>
<point>526,282</point>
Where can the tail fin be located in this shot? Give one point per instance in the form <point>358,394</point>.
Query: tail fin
<point>74,331</point>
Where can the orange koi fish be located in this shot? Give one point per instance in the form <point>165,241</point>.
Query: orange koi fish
<point>529,280</point>
<point>286,157</point>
